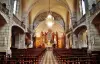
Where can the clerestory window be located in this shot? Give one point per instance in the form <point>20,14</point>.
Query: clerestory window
<point>82,7</point>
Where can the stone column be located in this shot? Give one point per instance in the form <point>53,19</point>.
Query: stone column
<point>73,20</point>
<point>93,35</point>
<point>75,41</point>
<point>4,38</point>
<point>31,30</point>
<point>25,21</point>
<point>17,41</point>
<point>80,42</point>
<point>22,41</point>
<point>94,38</point>
<point>67,42</point>
<point>88,32</point>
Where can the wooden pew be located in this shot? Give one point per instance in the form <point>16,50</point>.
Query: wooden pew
<point>73,56</point>
<point>97,55</point>
<point>2,57</point>
<point>24,56</point>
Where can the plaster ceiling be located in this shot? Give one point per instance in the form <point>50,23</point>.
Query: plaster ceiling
<point>35,7</point>
<point>27,4</point>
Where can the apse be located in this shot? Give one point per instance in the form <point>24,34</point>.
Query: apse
<point>42,27</point>
<point>42,23</point>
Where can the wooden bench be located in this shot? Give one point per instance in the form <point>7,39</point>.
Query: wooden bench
<point>24,56</point>
<point>73,56</point>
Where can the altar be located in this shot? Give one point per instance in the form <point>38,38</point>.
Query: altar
<point>48,44</point>
<point>49,40</point>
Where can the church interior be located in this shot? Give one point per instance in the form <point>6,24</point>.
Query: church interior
<point>49,31</point>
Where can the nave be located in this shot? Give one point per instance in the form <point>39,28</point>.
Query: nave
<point>49,58</point>
<point>71,27</point>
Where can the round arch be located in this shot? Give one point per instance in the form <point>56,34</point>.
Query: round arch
<point>20,30</point>
<point>79,29</point>
<point>81,37</point>
<point>96,22</point>
<point>95,16</point>
<point>46,11</point>
<point>61,2</point>
<point>96,19</point>
<point>18,27</point>
<point>42,17</point>
<point>15,32</point>
<point>2,20</point>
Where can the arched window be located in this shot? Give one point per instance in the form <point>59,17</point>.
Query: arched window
<point>15,6</point>
<point>82,7</point>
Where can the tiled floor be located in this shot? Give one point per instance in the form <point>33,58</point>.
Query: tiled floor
<point>48,58</point>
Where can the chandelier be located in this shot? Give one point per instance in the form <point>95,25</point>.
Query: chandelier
<point>49,18</point>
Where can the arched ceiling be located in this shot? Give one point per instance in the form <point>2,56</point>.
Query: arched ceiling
<point>42,17</point>
<point>34,7</point>
<point>42,27</point>
<point>27,4</point>
<point>43,6</point>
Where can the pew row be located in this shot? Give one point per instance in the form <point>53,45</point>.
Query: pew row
<point>74,56</point>
<point>24,56</point>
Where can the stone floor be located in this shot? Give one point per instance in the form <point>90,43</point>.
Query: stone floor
<point>49,58</point>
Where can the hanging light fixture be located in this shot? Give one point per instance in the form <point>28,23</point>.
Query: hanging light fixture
<point>49,18</point>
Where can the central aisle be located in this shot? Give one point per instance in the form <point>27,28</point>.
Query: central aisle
<point>48,58</point>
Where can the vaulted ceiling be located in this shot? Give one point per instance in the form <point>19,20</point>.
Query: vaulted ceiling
<point>61,7</point>
<point>35,7</point>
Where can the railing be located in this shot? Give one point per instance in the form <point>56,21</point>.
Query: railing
<point>80,21</point>
<point>18,21</point>
<point>4,9</point>
<point>95,8</point>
